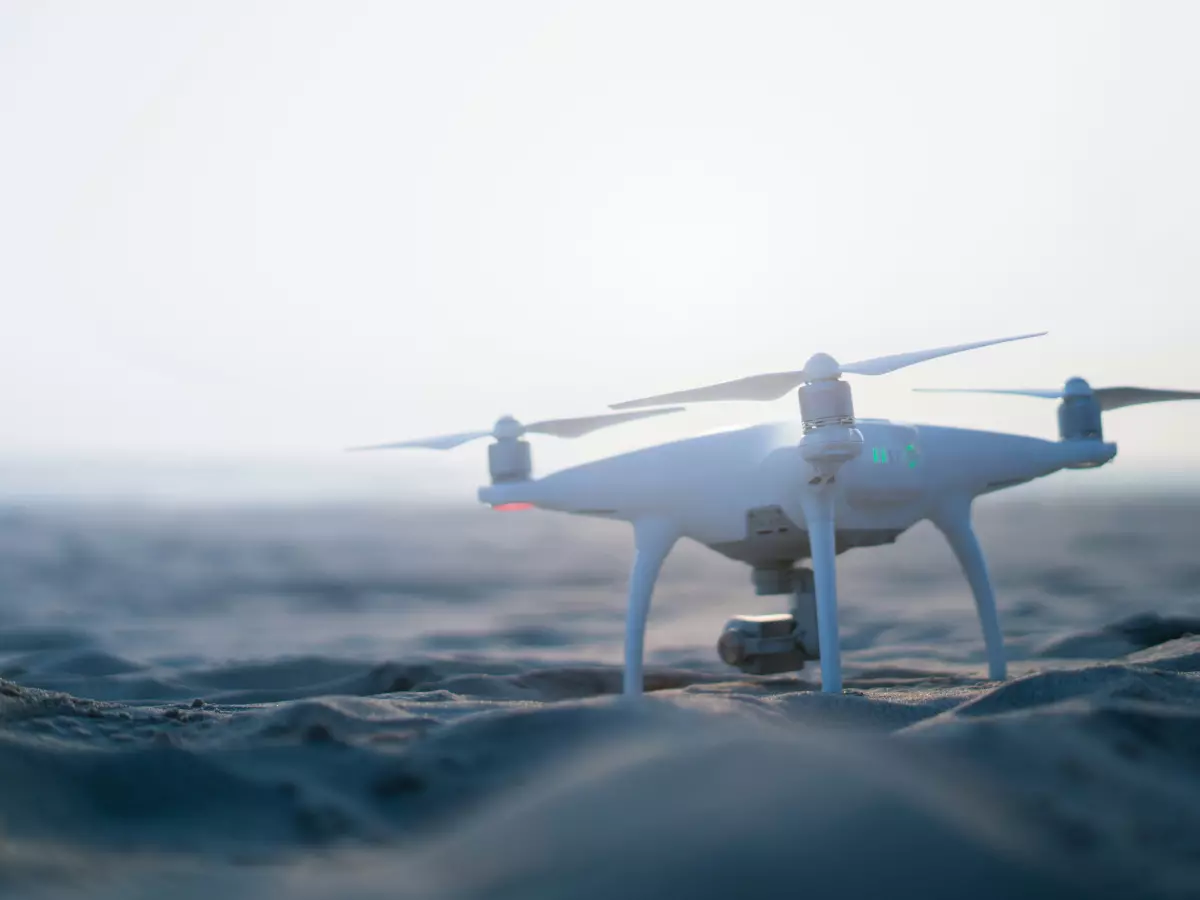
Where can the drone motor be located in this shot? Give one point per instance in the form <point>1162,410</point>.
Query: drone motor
<point>1079,413</point>
<point>509,460</point>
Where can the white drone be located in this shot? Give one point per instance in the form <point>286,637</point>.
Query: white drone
<point>772,495</point>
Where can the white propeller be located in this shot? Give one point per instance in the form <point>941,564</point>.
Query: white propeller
<point>820,367</point>
<point>508,427</point>
<point>1108,398</point>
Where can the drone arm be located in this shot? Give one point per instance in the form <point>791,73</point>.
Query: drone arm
<point>953,519</point>
<point>653,540</point>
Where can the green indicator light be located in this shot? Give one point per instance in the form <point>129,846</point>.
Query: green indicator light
<point>910,453</point>
<point>879,455</point>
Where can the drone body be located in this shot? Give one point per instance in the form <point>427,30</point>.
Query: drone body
<point>778,494</point>
<point>710,486</point>
<point>740,493</point>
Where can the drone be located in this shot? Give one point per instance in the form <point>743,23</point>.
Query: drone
<point>777,494</point>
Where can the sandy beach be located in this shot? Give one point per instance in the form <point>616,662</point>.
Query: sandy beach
<point>335,703</point>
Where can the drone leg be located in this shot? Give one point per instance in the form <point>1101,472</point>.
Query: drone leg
<point>954,521</point>
<point>818,515</point>
<point>653,541</point>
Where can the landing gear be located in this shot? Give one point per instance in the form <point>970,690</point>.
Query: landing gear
<point>953,519</point>
<point>768,645</point>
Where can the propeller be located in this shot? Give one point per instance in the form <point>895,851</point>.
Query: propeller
<point>509,428</point>
<point>1108,398</point>
<point>820,367</point>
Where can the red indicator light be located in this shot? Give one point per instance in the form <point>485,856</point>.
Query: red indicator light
<point>511,507</point>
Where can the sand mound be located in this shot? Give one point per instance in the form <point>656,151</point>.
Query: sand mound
<point>1062,783</point>
<point>1121,638</point>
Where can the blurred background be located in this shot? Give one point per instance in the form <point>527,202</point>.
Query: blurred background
<point>241,236</point>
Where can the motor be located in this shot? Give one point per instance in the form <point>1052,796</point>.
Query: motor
<point>1079,413</point>
<point>509,460</point>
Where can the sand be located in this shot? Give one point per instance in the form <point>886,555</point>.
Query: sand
<point>332,703</point>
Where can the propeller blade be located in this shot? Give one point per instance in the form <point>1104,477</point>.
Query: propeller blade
<point>1108,398</point>
<point>1055,394</point>
<point>882,365</point>
<point>1116,397</point>
<point>563,428</point>
<point>444,442</point>
<point>755,387</point>
<point>774,385</point>
<point>573,428</point>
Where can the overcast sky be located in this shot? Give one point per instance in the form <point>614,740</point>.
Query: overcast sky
<point>273,229</point>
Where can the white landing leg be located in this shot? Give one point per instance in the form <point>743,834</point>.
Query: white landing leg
<point>818,517</point>
<point>954,521</point>
<point>653,540</point>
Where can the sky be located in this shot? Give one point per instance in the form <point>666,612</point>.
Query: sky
<point>259,232</point>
